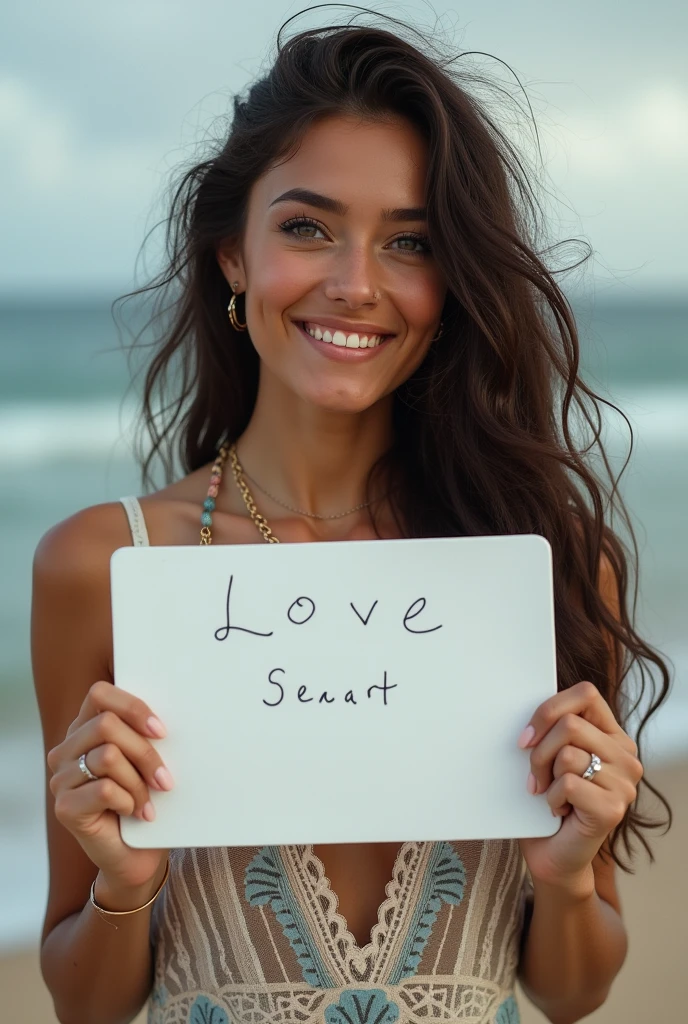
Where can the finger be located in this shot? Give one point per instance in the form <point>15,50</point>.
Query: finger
<point>583,699</point>
<point>625,770</point>
<point>108,728</point>
<point>105,696</point>
<point>107,761</point>
<point>79,809</point>
<point>571,760</point>
<point>599,810</point>
<point>571,730</point>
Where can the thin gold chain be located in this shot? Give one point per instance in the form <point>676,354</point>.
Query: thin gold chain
<point>259,520</point>
<point>302,511</point>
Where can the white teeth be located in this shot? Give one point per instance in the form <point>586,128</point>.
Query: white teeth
<point>343,340</point>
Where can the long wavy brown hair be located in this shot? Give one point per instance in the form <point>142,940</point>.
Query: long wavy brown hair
<point>496,430</point>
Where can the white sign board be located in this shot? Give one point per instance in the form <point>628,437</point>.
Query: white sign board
<point>361,691</point>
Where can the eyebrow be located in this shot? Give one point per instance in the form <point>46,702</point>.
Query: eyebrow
<point>305,195</point>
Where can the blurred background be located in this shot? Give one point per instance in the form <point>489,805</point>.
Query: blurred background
<point>99,103</point>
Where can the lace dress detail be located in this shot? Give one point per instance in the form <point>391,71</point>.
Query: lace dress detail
<point>367,963</point>
<point>254,934</point>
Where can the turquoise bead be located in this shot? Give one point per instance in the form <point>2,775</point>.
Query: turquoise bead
<point>206,519</point>
<point>209,504</point>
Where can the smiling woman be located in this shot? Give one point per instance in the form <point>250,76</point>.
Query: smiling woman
<point>355,309</point>
<point>354,272</point>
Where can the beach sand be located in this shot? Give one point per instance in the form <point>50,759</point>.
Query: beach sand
<point>648,988</point>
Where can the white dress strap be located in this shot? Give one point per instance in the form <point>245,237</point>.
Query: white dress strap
<point>137,523</point>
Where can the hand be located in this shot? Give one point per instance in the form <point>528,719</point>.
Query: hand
<point>110,729</point>
<point>567,729</point>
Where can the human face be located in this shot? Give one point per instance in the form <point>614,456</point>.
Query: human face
<point>336,240</point>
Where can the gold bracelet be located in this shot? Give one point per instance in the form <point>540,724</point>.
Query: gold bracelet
<point>121,913</point>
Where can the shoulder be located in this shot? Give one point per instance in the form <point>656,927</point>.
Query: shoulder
<point>78,548</point>
<point>70,599</point>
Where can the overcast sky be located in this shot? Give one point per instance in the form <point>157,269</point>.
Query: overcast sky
<point>99,102</point>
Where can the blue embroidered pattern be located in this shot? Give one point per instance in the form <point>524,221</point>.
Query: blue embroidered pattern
<point>204,1011</point>
<point>508,1012</point>
<point>444,882</point>
<point>159,995</point>
<point>362,1006</point>
<point>266,881</point>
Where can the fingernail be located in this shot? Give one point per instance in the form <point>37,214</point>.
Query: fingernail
<point>149,811</point>
<point>526,736</point>
<point>155,727</point>
<point>531,784</point>
<point>163,778</point>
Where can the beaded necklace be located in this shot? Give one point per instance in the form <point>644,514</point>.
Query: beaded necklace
<point>213,490</point>
<point>260,521</point>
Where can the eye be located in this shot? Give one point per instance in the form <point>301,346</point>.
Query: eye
<point>290,227</point>
<point>417,239</point>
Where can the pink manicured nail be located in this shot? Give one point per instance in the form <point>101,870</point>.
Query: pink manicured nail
<point>531,784</point>
<point>526,736</point>
<point>155,727</point>
<point>149,811</point>
<point>163,778</point>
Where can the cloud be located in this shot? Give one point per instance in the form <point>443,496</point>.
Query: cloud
<point>659,119</point>
<point>82,167</point>
<point>34,141</point>
<point>648,129</point>
<point>43,153</point>
<point>74,208</point>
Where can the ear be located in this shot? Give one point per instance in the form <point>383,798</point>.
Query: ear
<point>231,264</point>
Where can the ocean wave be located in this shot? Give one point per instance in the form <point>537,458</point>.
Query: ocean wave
<point>657,415</point>
<point>45,431</point>
<point>49,430</point>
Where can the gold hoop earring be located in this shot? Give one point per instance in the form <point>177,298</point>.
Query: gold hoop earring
<point>233,318</point>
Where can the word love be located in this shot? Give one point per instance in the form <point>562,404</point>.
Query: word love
<point>302,610</point>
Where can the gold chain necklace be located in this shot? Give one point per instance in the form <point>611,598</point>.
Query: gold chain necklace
<point>209,503</point>
<point>259,520</point>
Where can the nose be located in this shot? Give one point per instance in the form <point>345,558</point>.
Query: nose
<point>353,279</point>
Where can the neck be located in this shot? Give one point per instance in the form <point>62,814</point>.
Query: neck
<point>314,459</point>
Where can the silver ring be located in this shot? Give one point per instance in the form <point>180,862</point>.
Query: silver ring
<point>86,770</point>
<point>594,766</point>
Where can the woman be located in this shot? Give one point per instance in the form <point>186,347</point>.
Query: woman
<point>357,310</point>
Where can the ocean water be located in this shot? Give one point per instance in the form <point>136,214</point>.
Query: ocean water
<point>65,431</point>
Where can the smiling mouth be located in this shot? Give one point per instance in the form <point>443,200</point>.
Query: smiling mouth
<point>342,339</point>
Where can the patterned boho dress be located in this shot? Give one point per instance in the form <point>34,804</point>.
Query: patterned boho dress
<point>253,935</point>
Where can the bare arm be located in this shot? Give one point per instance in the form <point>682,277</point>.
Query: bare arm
<point>94,971</point>
<point>575,946</point>
<point>97,973</point>
<point>576,941</point>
